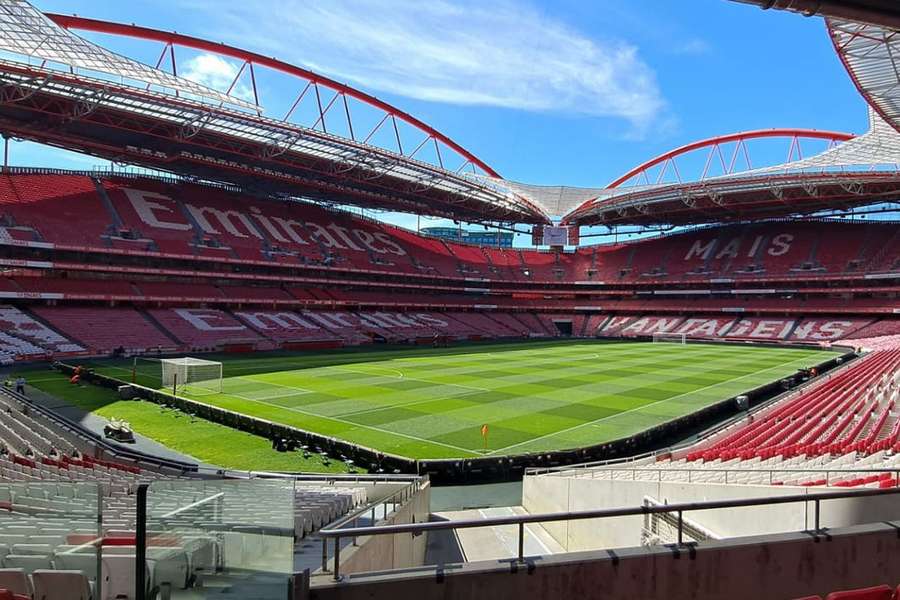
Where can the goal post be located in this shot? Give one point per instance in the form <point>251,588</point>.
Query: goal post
<point>146,372</point>
<point>670,338</point>
<point>194,375</point>
<point>187,374</point>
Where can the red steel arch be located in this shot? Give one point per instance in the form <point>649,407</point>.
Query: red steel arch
<point>740,139</point>
<point>171,39</point>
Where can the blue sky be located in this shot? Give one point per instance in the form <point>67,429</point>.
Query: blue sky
<point>553,92</point>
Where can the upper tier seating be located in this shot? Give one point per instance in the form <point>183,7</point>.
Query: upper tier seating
<point>768,249</point>
<point>44,207</point>
<point>200,221</point>
<point>147,215</point>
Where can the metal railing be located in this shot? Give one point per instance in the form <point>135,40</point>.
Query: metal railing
<point>397,498</point>
<point>679,509</point>
<point>330,478</point>
<point>785,475</point>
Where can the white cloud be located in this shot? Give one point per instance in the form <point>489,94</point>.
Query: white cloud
<point>495,54</point>
<point>214,71</point>
<point>693,46</point>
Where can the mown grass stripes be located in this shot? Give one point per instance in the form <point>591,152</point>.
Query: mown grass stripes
<point>539,396</point>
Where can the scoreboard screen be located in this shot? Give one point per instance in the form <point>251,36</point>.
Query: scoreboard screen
<point>548,235</point>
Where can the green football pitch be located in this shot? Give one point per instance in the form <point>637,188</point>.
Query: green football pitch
<point>538,396</point>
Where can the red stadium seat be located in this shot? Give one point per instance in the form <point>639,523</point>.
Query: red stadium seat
<point>823,418</point>
<point>238,247</point>
<point>881,592</point>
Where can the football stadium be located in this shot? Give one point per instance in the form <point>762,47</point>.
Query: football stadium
<point>234,363</point>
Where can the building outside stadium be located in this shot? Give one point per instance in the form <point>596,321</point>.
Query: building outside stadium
<point>220,380</point>
<point>500,239</point>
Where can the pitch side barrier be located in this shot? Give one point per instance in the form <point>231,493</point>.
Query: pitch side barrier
<point>754,407</point>
<point>470,470</point>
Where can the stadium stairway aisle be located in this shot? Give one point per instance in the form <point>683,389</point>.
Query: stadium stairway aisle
<point>501,542</point>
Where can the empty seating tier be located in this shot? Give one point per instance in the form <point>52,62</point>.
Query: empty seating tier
<point>850,411</point>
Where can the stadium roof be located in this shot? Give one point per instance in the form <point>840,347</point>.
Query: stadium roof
<point>850,173</point>
<point>871,55</point>
<point>173,124</point>
<point>118,109</point>
<point>853,172</point>
<point>866,36</point>
<point>26,31</point>
<point>875,12</point>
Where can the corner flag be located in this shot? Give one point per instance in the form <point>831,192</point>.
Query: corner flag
<point>484,434</point>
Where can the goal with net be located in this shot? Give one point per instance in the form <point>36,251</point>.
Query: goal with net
<point>185,374</point>
<point>670,338</point>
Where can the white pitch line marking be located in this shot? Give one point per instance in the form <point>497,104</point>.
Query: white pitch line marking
<point>360,425</point>
<point>642,407</point>
<point>402,376</point>
<point>281,385</point>
<point>410,403</point>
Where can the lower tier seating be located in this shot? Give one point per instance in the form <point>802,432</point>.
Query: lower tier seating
<point>48,331</point>
<point>52,490</point>
<point>105,329</point>
<point>852,410</point>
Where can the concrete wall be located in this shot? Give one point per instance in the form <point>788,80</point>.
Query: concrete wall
<point>774,567</point>
<point>560,494</point>
<point>383,552</point>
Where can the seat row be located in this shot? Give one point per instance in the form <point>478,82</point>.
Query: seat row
<point>879,592</point>
<point>851,410</point>
<point>152,217</point>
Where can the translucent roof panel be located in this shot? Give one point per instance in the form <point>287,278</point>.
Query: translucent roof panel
<point>871,54</point>
<point>25,30</point>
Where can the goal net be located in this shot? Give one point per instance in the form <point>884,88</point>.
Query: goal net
<point>192,375</point>
<point>670,338</point>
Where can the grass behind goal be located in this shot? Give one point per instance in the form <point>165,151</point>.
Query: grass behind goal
<point>537,396</point>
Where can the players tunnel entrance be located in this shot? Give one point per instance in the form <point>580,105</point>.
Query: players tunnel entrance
<point>563,327</point>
